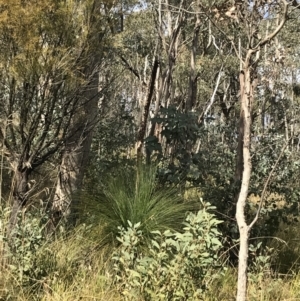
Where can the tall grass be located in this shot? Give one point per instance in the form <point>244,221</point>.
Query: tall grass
<point>136,196</point>
<point>70,279</point>
<point>73,269</point>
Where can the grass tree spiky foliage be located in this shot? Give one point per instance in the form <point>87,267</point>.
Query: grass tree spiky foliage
<point>136,196</point>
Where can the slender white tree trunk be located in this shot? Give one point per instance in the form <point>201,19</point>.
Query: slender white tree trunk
<point>246,103</point>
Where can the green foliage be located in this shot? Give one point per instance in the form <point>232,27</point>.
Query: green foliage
<point>180,131</point>
<point>260,262</point>
<point>178,127</point>
<point>135,195</point>
<point>23,247</point>
<point>212,168</point>
<point>72,268</point>
<point>177,266</point>
<point>113,137</point>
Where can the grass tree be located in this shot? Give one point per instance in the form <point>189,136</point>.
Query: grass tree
<point>137,197</point>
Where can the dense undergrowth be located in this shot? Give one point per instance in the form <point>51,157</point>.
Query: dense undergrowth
<point>136,240</point>
<point>72,268</point>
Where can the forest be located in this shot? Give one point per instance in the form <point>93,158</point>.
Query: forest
<point>149,150</point>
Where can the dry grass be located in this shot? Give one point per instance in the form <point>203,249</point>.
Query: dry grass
<point>77,271</point>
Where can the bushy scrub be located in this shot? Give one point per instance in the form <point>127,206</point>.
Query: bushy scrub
<point>177,266</point>
<point>22,248</point>
<point>137,196</point>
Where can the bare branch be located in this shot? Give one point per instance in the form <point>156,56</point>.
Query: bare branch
<point>130,68</point>
<point>272,35</point>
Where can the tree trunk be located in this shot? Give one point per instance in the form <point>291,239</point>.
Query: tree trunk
<point>143,125</point>
<point>193,80</point>
<point>247,86</point>
<point>20,194</point>
<point>239,155</point>
<point>75,158</point>
<point>244,139</point>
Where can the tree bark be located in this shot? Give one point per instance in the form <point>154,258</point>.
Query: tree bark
<point>20,194</point>
<point>244,139</point>
<point>75,156</point>
<point>143,126</point>
<point>193,80</point>
<point>247,86</point>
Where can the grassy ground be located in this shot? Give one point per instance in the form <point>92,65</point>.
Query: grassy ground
<point>71,269</point>
<point>77,266</point>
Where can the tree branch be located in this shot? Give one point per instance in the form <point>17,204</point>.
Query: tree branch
<point>130,68</point>
<point>272,35</point>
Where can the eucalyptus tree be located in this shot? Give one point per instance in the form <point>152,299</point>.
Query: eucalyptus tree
<point>45,81</point>
<point>249,19</point>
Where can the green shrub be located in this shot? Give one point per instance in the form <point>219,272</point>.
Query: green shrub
<point>135,196</point>
<point>178,266</point>
<point>23,247</point>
